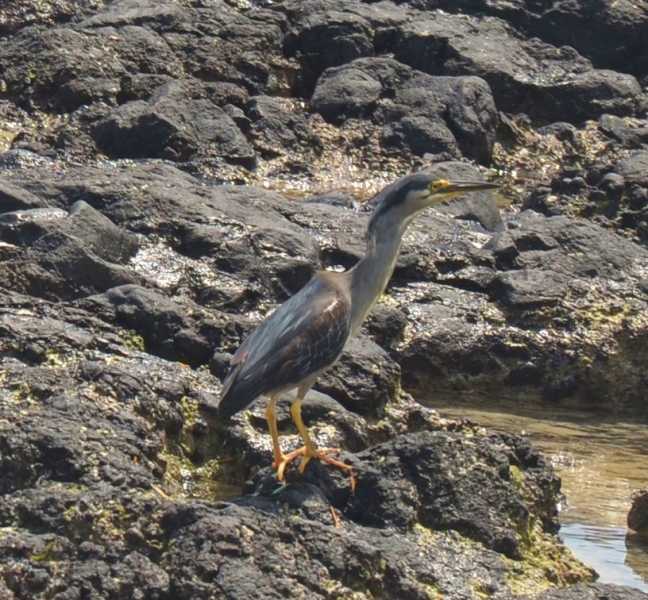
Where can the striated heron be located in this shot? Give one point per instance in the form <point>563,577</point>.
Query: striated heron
<point>306,335</point>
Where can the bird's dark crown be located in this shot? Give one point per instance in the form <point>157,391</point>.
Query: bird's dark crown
<point>396,193</point>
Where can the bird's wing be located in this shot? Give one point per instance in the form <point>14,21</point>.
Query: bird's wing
<point>303,336</point>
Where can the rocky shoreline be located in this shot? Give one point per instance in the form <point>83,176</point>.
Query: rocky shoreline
<point>149,154</point>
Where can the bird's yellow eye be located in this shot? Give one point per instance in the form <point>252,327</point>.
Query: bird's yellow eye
<point>437,185</point>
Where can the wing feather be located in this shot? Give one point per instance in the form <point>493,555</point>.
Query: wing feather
<point>302,337</point>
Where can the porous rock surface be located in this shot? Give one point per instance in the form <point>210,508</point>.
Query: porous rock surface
<point>129,274</point>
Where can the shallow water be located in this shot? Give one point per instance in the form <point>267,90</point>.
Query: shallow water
<point>601,460</point>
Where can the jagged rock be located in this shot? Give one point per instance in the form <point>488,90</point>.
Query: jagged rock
<point>348,36</point>
<point>83,222</point>
<point>14,198</point>
<point>568,89</point>
<point>354,89</point>
<point>424,114</point>
<point>276,129</point>
<point>168,127</point>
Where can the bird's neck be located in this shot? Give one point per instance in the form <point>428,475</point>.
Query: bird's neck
<point>371,275</point>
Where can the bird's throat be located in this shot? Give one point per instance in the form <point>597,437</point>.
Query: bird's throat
<point>372,274</point>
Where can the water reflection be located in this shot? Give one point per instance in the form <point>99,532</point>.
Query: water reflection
<point>604,549</point>
<point>600,458</point>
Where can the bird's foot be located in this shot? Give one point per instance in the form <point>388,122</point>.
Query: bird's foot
<point>283,460</point>
<point>308,454</point>
<point>322,454</point>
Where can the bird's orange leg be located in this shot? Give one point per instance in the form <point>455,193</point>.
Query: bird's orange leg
<point>271,416</point>
<point>309,451</point>
<point>280,460</point>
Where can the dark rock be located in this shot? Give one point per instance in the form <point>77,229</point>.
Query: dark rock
<point>612,39</point>
<point>427,490</point>
<point>386,325</point>
<point>634,169</point>
<point>618,129</point>
<point>224,94</point>
<point>220,44</point>
<point>333,198</point>
<point>638,514</point>
<point>124,12</point>
<point>14,198</point>
<point>569,89</point>
<point>432,114</point>
<point>347,37</point>
<point>102,237</point>
<point>65,255</point>
<point>423,114</point>
<point>85,73</point>
<point>170,330</point>
<point>353,90</point>
<point>364,380</point>
<point>16,14</point>
<point>276,129</point>
<point>238,116</point>
<point>166,127</point>
<point>141,86</point>
<point>49,445</point>
<point>59,266</point>
<point>545,266</point>
<point>113,457</point>
<point>529,287</point>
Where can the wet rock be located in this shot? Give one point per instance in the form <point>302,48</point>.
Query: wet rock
<point>638,515</point>
<point>83,222</point>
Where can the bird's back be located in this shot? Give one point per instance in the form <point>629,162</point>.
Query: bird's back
<point>302,337</point>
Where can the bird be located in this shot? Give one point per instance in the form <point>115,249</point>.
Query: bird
<point>306,335</point>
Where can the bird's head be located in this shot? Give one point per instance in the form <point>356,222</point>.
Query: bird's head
<point>400,202</point>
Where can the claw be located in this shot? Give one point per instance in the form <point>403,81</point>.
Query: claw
<point>281,462</point>
<point>284,459</point>
<point>322,455</point>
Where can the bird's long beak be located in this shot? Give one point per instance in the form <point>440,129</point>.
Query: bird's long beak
<point>464,187</point>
